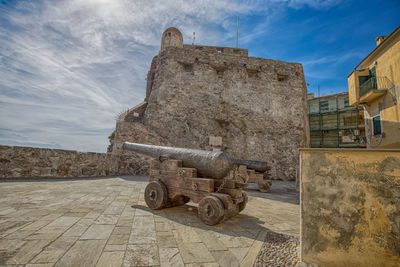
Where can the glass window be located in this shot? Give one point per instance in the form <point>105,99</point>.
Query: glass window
<point>362,79</point>
<point>376,121</point>
<point>313,107</point>
<point>343,102</point>
<point>332,104</point>
<point>324,106</point>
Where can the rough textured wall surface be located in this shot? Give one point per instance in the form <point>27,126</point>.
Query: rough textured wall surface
<point>350,207</point>
<point>128,131</point>
<point>28,162</point>
<point>258,106</point>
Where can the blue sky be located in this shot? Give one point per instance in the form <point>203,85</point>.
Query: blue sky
<point>68,68</point>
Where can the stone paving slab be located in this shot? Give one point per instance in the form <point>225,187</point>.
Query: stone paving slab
<point>105,222</point>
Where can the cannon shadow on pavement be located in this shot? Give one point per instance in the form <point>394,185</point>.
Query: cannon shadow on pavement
<point>241,225</point>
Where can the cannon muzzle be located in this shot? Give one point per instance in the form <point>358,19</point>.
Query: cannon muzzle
<point>213,164</point>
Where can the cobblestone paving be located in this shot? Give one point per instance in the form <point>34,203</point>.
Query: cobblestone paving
<point>105,222</point>
<point>278,250</point>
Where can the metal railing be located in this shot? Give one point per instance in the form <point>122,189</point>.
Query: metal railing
<point>375,83</point>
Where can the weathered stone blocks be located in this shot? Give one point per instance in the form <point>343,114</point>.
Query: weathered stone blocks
<point>28,162</point>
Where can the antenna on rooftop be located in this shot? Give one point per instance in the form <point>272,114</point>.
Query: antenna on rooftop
<point>194,37</point>
<point>237,31</point>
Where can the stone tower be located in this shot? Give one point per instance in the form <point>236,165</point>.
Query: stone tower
<point>171,37</point>
<point>256,108</point>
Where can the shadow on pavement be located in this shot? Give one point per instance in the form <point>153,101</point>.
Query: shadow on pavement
<point>283,191</point>
<point>241,225</point>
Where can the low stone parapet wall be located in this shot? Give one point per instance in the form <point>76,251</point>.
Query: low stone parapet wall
<point>350,207</point>
<point>27,162</point>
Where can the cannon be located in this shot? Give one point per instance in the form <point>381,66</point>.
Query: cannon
<point>209,178</point>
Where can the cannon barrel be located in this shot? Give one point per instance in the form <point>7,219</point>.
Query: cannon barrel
<point>260,166</point>
<point>213,164</point>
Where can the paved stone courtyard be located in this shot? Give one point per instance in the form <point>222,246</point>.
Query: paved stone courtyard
<point>105,222</point>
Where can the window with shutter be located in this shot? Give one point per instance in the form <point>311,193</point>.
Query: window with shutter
<point>376,121</point>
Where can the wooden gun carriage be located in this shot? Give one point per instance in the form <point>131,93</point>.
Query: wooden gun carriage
<point>209,178</point>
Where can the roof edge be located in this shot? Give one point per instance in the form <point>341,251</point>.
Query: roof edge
<point>379,47</point>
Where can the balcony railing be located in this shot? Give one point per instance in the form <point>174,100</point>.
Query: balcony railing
<point>375,83</point>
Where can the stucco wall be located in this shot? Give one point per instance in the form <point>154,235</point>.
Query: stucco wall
<point>350,207</point>
<point>26,162</point>
<point>387,65</point>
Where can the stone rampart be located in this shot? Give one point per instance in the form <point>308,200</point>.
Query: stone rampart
<point>217,49</point>
<point>28,162</point>
<point>350,207</point>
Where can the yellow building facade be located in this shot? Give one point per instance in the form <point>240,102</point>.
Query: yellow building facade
<point>375,85</point>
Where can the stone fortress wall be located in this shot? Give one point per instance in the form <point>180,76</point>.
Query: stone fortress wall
<point>256,106</point>
<point>29,162</point>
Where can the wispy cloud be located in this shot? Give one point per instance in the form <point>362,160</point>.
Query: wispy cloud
<point>68,68</point>
<point>317,4</point>
<point>319,61</point>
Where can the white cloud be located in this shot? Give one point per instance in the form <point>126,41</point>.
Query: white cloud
<point>69,67</point>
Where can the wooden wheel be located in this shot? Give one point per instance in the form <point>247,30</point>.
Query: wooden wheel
<point>264,186</point>
<point>155,195</point>
<point>242,205</point>
<point>211,210</point>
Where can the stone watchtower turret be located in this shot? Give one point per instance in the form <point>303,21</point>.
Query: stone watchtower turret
<point>171,37</point>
